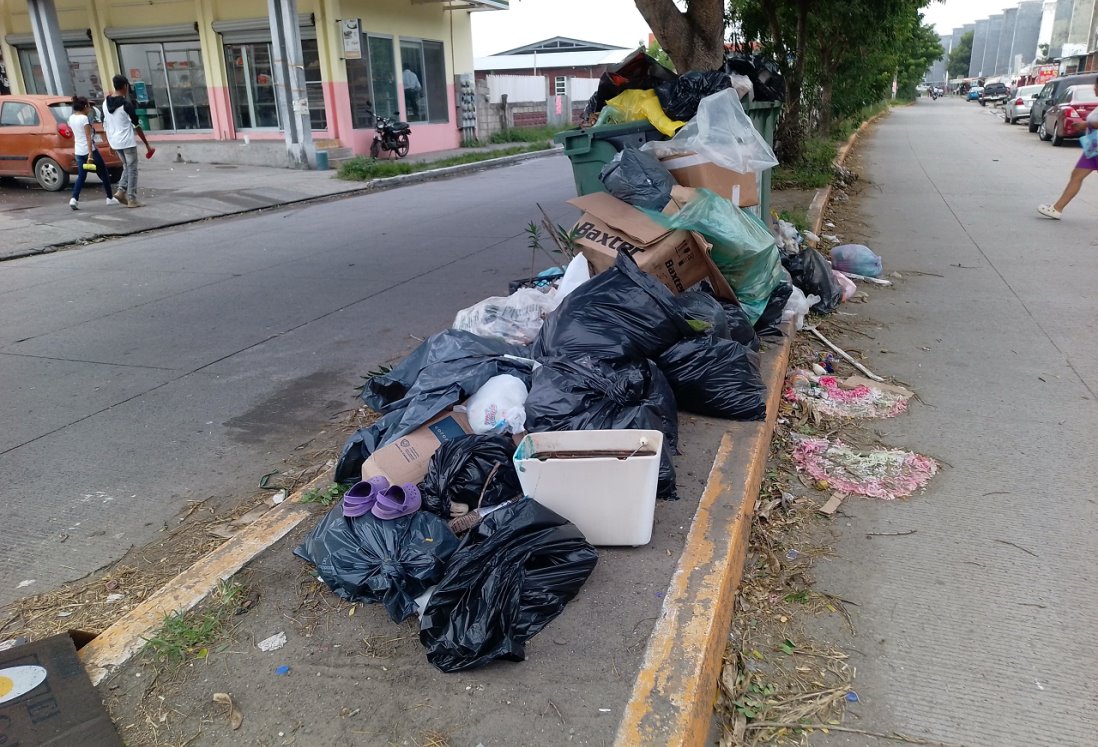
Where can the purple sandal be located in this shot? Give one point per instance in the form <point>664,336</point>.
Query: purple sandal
<point>396,501</point>
<point>360,499</point>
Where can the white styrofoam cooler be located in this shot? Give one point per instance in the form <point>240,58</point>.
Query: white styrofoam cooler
<point>611,500</point>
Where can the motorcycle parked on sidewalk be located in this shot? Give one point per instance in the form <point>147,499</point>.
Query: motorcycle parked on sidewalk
<point>392,136</point>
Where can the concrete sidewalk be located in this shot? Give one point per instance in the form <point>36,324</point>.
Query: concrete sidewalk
<point>33,220</point>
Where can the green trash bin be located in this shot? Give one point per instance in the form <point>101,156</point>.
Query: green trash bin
<point>591,149</point>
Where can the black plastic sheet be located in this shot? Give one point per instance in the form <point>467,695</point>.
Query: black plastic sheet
<point>765,75</point>
<point>770,323</point>
<point>367,559</point>
<point>739,325</point>
<point>467,468</point>
<point>812,274</point>
<point>584,394</point>
<point>717,378</point>
<point>621,314</point>
<point>680,98</point>
<point>639,179</point>
<point>512,575</point>
<point>445,370</point>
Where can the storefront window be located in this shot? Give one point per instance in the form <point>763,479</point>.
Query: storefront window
<point>252,86</point>
<point>372,80</point>
<point>85,71</point>
<point>423,73</point>
<point>168,84</point>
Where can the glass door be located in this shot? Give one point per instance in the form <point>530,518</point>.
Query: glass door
<point>251,85</point>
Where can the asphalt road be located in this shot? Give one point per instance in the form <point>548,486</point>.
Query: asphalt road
<point>144,372</point>
<point>978,628</point>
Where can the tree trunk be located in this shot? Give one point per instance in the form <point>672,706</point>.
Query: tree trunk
<point>694,39</point>
<point>827,88</point>
<point>791,128</point>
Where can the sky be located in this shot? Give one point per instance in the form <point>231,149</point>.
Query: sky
<point>608,21</point>
<point>953,13</point>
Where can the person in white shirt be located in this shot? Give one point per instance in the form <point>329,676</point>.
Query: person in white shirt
<point>1083,168</point>
<point>412,89</point>
<point>120,123</point>
<point>84,147</point>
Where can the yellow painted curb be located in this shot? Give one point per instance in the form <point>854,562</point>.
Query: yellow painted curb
<point>674,694</point>
<point>115,645</point>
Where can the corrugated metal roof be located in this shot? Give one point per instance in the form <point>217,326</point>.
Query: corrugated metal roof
<point>554,59</point>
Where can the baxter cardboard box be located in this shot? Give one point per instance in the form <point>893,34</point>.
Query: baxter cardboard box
<point>678,259</point>
<point>405,460</point>
<point>46,697</point>
<point>692,170</point>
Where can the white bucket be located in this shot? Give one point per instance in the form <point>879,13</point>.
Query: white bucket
<point>612,500</point>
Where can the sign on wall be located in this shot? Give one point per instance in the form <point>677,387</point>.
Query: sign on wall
<point>352,38</point>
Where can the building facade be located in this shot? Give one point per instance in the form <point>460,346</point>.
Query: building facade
<point>205,69</point>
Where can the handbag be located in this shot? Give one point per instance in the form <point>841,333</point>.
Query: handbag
<point>1090,143</point>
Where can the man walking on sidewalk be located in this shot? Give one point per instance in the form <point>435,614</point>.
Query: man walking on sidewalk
<point>120,124</point>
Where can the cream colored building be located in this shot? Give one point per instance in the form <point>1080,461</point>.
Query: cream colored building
<point>204,70</point>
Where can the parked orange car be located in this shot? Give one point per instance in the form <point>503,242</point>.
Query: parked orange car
<point>36,140</point>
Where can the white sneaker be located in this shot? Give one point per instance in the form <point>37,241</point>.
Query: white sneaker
<point>73,204</point>
<point>112,201</point>
<point>1049,212</point>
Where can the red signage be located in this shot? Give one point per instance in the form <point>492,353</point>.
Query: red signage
<point>1046,73</point>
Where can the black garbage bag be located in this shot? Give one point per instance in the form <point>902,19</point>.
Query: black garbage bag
<point>366,559</point>
<point>717,378</point>
<point>621,314</point>
<point>512,575</point>
<point>770,323</point>
<point>638,70</point>
<point>701,307</point>
<point>579,394</point>
<point>459,472</point>
<point>446,369</point>
<point>639,179</point>
<point>812,274</point>
<point>766,76</point>
<point>739,325</point>
<point>680,97</point>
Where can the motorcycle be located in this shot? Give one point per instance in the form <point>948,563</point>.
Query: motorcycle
<point>392,135</point>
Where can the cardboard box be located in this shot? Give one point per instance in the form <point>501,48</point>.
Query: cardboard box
<point>678,259</point>
<point>46,697</point>
<point>405,460</point>
<point>692,170</point>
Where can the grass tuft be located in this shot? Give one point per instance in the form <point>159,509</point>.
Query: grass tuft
<point>187,635</point>
<point>363,169</point>
<point>525,134</point>
<point>325,497</point>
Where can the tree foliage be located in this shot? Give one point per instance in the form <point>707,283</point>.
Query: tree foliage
<point>959,58</point>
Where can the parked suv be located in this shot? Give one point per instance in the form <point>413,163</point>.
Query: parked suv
<point>1053,91</point>
<point>994,93</point>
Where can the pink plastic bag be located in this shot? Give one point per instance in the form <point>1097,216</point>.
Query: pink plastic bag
<point>849,289</point>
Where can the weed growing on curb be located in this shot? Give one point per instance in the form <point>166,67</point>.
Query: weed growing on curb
<point>325,497</point>
<point>189,634</point>
<point>363,169</point>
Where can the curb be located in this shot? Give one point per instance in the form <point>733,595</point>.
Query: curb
<point>374,185</point>
<point>674,694</point>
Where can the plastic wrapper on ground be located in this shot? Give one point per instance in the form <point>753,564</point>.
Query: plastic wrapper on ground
<point>584,394</point>
<point>638,179</point>
<point>443,371</point>
<point>714,377</point>
<point>473,471</point>
<point>512,575</point>
<point>367,559</point>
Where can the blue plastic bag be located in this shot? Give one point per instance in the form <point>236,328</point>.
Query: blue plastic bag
<point>1090,144</point>
<point>743,249</point>
<point>857,259</point>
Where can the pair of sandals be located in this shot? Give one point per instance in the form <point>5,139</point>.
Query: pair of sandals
<point>376,496</point>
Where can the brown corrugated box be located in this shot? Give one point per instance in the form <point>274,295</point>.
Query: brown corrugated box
<point>405,460</point>
<point>692,170</point>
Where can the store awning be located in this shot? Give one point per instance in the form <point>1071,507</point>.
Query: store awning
<point>75,36</point>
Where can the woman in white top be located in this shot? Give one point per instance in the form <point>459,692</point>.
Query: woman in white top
<point>84,145</point>
<point>1083,168</point>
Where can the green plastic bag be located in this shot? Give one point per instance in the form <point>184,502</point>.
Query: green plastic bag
<point>743,249</point>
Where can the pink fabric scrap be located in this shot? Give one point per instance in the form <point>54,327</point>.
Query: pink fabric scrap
<point>882,473</point>
<point>826,396</point>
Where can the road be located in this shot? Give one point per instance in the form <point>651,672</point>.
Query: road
<point>145,372</point>
<point>978,629</point>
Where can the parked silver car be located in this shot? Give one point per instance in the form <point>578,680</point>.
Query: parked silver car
<point>1018,106</point>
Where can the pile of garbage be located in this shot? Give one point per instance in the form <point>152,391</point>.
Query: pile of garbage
<point>545,421</point>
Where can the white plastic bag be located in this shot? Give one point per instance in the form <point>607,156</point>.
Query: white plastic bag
<point>721,132</point>
<point>849,289</point>
<point>577,273</point>
<point>516,318</point>
<point>798,306</point>
<point>498,406</point>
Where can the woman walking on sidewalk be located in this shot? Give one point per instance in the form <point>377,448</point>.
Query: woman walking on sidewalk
<point>1084,168</point>
<point>84,146</point>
